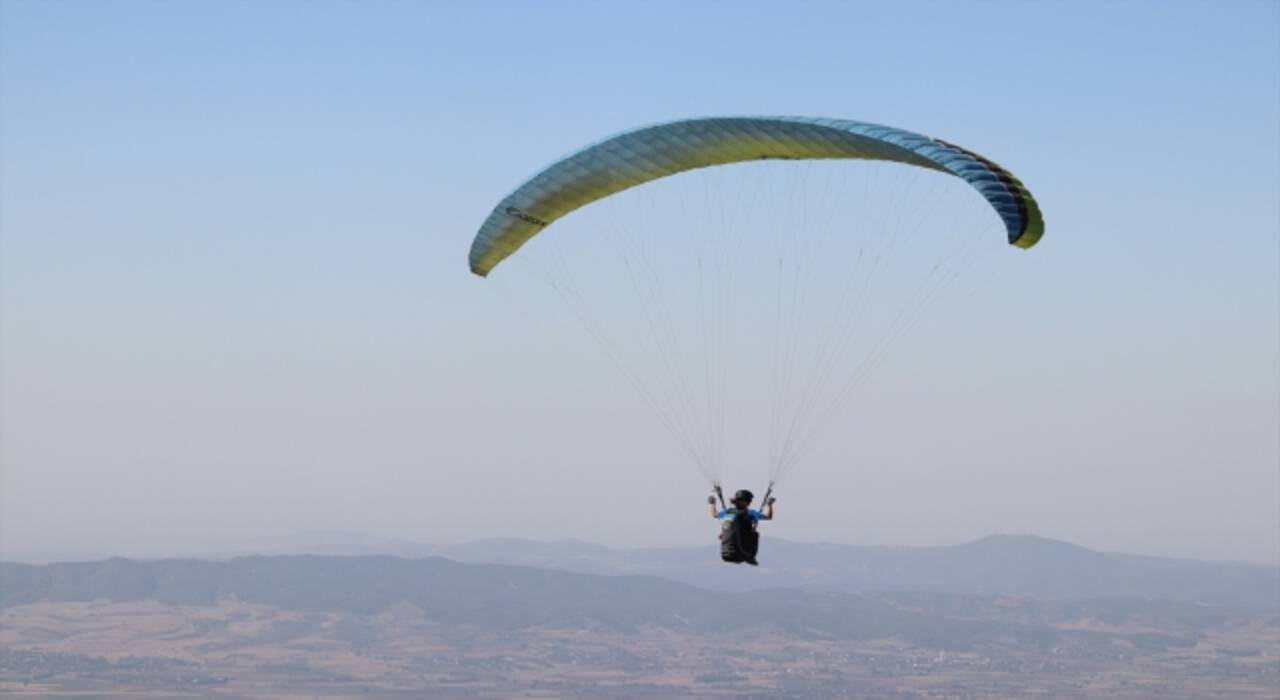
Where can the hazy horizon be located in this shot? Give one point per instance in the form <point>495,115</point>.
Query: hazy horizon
<point>355,543</point>
<point>235,300</point>
<point>325,626</point>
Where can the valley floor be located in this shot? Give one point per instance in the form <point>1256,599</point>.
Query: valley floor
<point>236,649</point>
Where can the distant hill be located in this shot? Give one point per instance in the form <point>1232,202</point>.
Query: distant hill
<point>381,626</point>
<point>499,598</point>
<point>1020,565</point>
<point>484,596</point>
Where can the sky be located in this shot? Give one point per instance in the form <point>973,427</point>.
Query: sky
<point>234,298</point>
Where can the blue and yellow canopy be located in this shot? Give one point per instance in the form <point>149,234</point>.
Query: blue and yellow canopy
<point>653,152</point>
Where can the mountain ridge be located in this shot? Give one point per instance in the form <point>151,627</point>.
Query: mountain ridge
<point>1013,565</point>
<point>384,626</point>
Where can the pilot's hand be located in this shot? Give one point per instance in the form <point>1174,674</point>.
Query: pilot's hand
<point>769,501</point>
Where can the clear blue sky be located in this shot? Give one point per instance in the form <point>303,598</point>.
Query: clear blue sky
<point>236,302</point>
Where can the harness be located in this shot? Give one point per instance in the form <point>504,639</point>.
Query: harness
<point>739,540</point>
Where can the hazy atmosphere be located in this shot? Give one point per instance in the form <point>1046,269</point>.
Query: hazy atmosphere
<point>236,302</point>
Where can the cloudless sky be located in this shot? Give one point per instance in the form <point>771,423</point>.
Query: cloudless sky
<point>235,300</point>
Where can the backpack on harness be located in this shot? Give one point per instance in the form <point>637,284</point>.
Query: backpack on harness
<point>739,540</point>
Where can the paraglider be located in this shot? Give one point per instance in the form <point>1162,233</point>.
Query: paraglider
<point>695,411</point>
<point>739,540</point>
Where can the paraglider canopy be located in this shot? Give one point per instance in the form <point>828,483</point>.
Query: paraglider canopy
<point>636,157</point>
